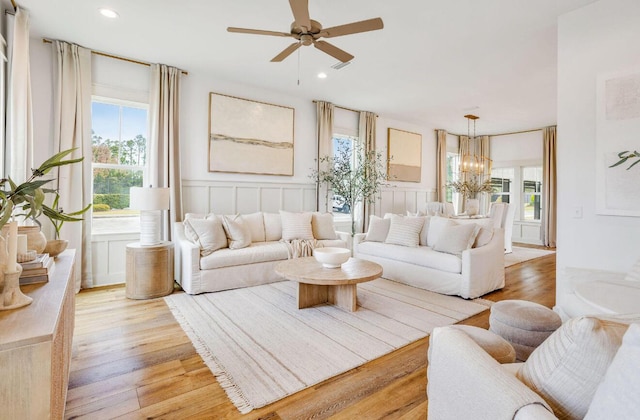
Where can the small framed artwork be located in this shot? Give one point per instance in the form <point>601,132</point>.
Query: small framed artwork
<point>404,151</point>
<point>250,137</point>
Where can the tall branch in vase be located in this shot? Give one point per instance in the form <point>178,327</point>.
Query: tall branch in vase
<point>353,174</point>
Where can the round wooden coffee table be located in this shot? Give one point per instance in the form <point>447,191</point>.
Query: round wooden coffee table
<point>337,286</point>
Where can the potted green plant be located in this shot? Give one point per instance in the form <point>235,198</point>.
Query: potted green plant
<point>27,200</point>
<point>354,175</point>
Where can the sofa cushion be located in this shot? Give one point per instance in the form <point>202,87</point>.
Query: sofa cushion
<point>617,396</point>
<point>422,256</point>
<point>457,238</point>
<point>208,234</point>
<point>237,231</point>
<point>436,226</point>
<point>296,225</point>
<point>272,226</point>
<point>322,226</point>
<point>567,367</point>
<point>378,229</point>
<point>255,224</point>
<point>257,252</point>
<point>405,231</point>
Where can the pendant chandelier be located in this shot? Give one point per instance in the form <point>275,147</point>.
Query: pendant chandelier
<point>472,161</point>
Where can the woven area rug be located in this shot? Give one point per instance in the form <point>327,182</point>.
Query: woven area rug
<point>521,254</point>
<point>261,348</point>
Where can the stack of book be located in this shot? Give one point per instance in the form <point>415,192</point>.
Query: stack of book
<point>38,270</point>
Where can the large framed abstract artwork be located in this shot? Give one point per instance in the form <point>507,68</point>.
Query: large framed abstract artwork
<point>404,151</point>
<point>617,130</point>
<point>250,137</point>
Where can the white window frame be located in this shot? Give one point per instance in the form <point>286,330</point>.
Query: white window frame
<point>539,194</point>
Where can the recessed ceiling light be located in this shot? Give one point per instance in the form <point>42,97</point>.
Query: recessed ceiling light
<point>109,13</point>
<point>322,75</point>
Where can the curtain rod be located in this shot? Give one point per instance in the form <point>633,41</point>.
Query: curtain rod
<point>117,57</point>
<point>343,107</point>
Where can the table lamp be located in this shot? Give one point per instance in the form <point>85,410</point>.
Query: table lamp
<point>150,201</point>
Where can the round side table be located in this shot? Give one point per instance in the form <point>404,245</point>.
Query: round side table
<point>149,270</point>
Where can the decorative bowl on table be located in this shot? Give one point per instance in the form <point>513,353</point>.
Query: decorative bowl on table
<point>332,257</point>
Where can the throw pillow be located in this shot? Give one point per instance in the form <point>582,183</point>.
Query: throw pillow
<point>208,234</point>
<point>568,366</point>
<point>617,396</point>
<point>436,226</point>
<point>255,224</point>
<point>455,239</point>
<point>272,226</point>
<point>378,229</point>
<point>237,232</point>
<point>322,226</point>
<point>634,273</point>
<point>405,231</point>
<point>485,234</point>
<point>296,225</point>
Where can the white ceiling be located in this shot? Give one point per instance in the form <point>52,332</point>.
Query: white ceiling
<point>434,61</point>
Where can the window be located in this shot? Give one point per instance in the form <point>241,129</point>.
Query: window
<point>453,169</point>
<point>342,150</point>
<point>501,180</point>
<point>119,162</point>
<point>531,193</point>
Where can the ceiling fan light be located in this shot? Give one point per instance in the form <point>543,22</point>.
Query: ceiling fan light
<point>112,14</point>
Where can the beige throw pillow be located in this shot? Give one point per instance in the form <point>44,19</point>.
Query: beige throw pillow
<point>237,232</point>
<point>296,225</point>
<point>208,234</point>
<point>405,231</point>
<point>272,226</point>
<point>436,226</point>
<point>569,365</point>
<point>455,239</point>
<point>255,224</point>
<point>322,226</point>
<point>378,229</point>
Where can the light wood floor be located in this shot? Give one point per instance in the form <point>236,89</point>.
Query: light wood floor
<point>132,360</point>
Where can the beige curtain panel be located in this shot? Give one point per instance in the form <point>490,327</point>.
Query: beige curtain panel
<point>367,135</point>
<point>324,123</point>
<point>549,189</point>
<point>441,165</point>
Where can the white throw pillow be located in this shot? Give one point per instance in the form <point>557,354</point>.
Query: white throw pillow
<point>378,229</point>
<point>455,239</point>
<point>237,232</point>
<point>322,226</point>
<point>416,214</point>
<point>617,396</point>
<point>484,235</point>
<point>272,226</point>
<point>255,224</point>
<point>405,231</point>
<point>634,273</point>
<point>436,226</point>
<point>208,234</point>
<point>296,225</point>
<point>568,366</point>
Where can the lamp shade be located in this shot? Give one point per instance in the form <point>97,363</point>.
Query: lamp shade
<point>148,198</point>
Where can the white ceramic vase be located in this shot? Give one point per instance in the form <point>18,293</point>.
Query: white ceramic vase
<point>472,206</point>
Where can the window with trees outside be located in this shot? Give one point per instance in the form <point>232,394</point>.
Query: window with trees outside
<point>531,193</point>
<point>453,171</point>
<point>501,181</point>
<point>119,162</point>
<point>343,146</point>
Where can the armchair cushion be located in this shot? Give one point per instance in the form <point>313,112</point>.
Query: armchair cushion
<point>568,366</point>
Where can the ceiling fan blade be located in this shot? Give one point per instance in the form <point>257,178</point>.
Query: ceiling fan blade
<point>286,52</point>
<point>256,32</point>
<point>300,9</point>
<point>333,51</point>
<point>352,28</point>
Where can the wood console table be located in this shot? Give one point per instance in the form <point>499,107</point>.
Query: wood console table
<point>35,347</point>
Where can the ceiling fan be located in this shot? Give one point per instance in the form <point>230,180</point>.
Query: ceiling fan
<point>308,31</point>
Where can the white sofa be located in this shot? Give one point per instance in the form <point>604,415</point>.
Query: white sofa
<point>442,259</point>
<point>214,252</point>
<point>587,369</point>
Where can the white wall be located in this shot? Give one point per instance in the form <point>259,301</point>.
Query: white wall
<point>515,148</point>
<point>599,38</point>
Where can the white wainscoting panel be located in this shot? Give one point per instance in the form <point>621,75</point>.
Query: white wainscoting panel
<point>400,200</point>
<point>223,197</point>
<point>108,254</point>
<point>527,232</point>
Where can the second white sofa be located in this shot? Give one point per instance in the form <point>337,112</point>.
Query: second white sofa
<point>435,253</point>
